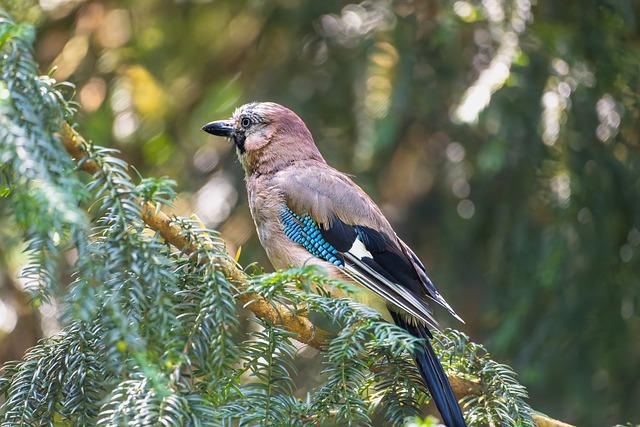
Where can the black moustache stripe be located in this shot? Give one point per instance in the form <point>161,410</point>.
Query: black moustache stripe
<point>239,139</point>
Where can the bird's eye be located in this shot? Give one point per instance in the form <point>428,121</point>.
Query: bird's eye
<point>245,122</point>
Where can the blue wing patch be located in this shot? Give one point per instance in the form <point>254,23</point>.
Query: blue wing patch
<point>304,231</point>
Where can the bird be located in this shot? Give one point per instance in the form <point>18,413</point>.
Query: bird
<point>307,212</point>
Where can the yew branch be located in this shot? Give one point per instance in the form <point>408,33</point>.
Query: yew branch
<point>304,329</point>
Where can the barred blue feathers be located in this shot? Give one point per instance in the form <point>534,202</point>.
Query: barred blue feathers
<point>304,231</point>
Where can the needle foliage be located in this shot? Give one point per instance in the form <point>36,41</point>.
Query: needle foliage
<point>151,335</point>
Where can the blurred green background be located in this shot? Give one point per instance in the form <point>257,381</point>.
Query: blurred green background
<point>500,137</point>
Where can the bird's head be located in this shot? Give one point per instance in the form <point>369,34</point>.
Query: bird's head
<point>267,136</point>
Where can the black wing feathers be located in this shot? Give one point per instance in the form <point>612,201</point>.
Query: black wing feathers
<point>390,261</point>
<point>396,263</point>
<point>366,248</point>
<point>391,258</point>
<point>340,235</point>
<point>387,258</point>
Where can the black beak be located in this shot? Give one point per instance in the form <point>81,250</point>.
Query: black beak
<point>219,128</point>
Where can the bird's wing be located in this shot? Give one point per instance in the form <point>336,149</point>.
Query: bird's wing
<point>335,220</point>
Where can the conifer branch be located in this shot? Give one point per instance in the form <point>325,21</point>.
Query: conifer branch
<point>273,312</point>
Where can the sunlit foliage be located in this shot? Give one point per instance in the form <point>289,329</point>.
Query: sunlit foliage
<point>152,335</point>
<point>499,137</point>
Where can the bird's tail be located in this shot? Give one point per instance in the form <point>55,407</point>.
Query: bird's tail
<point>433,375</point>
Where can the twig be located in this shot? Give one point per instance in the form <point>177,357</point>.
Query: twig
<point>544,421</point>
<point>275,313</point>
<point>157,220</point>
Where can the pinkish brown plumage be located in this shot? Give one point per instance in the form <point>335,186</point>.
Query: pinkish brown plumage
<point>307,212</point>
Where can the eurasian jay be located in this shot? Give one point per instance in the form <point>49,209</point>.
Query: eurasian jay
<point>306,212</point>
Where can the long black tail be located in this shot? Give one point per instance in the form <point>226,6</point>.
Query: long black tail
<point>433,375</point>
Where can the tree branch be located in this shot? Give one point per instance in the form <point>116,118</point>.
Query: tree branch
<point>275,313</point>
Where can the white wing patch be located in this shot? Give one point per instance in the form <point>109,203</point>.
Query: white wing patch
<point>359,250</point>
